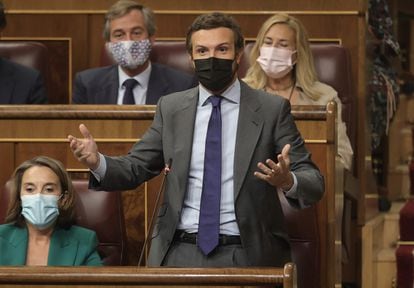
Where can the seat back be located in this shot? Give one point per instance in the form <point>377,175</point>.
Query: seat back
<point>4,200</point>
<point>102,212</point>
<point>27,53</point>
<point>99,211</point>
<point>303,230</point>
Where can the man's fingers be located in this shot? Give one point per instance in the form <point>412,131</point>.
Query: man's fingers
<point>84,156</point>
<point>281,162</point>
<point>261,176</point>
<point>85,132</point>
<point>285,151</point>
<point>266,169</point>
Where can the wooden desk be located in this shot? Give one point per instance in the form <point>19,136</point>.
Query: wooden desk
<point>145,277</point>
<point>27,131</point>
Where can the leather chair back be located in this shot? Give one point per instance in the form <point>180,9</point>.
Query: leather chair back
<point>27,53</point>
<point>303,230</point>
<point>4,200</point>
<point>102,212</point>
<point>99,211</point>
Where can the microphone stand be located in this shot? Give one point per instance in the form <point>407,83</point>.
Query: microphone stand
<point>155,211</point>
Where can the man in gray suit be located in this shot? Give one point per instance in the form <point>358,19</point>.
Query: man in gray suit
<point>129,33</point>
<point>261,152</point>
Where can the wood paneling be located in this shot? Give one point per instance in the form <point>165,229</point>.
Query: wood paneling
<point>217,5</point>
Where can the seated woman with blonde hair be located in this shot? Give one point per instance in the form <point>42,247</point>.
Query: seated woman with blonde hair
<point>39,230</point>
<point>281,63</point>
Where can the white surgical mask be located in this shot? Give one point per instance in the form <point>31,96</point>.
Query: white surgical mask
<point>276,62</point>
<point>40,210</point>
<point>130,54</point>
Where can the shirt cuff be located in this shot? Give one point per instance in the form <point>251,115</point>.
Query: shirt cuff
<point>99,172</point>
<point>292,191</point>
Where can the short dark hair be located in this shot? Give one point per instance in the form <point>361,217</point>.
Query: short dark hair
<point>215,20</point>
<point>3,21</point>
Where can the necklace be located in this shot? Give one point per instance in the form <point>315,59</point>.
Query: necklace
<point>275,91</point>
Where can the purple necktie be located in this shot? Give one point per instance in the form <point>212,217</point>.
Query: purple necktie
<point>209,222</point>
<point>129,85</point>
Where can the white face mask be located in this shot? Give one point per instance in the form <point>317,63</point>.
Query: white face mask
<point>130,54</point>
<point>276,62</point>
<point>40,210</point>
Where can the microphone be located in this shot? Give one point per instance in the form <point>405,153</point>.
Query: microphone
<point>160,195</point>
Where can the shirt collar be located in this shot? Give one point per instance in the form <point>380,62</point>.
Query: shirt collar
<point>142,78</point>
<point>232,93</point>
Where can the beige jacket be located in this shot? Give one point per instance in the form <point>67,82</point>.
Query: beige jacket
<point>345,151</point>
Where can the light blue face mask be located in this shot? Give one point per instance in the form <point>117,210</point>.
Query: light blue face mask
<point>40,210</point>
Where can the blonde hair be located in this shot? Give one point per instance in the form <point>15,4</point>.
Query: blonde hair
<point>304,70</point>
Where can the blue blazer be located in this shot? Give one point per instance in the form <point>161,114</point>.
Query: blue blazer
<point>100,85</point>
<point>75,246</point>
<point>20,84</point>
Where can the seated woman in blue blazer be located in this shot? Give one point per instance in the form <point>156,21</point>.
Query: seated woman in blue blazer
<point>38,229</point>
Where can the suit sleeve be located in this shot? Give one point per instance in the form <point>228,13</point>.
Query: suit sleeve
<point>144,161</point>
<point>79,90</point>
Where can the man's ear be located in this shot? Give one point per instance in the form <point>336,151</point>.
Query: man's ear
<point>152,39</point>
<point>190,57</point>
<point>239,56</point>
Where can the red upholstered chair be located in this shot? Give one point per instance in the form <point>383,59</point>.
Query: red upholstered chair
<point>97,210</point>
<point>27,53</point>
<point>303,230</point>
<point>405,251</point>
<point>405,267</point>
<point>4,200</point>
<point>102,212</point>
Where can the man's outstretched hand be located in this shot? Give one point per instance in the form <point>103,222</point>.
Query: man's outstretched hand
<point>277,174</point>
<point>85,150</point>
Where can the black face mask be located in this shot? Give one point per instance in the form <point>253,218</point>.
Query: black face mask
<point>214,73</point>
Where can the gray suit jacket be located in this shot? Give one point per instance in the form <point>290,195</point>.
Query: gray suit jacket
<point>265,125</point>
<point>100,85</point>
<point>20,84</point>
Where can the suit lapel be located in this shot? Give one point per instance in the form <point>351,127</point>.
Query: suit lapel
<point>183,123</point>
<point>18,247</point>
<point>249,128</point>
<point>157,86</point>
<point>107,93</point>
<point>63,249</point>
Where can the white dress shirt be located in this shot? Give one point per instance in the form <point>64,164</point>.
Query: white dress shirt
<point>230,105</point>
<point>140,90</point>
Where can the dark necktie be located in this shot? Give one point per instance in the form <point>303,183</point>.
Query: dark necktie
<point>209,222</point>
<point>129,85</point>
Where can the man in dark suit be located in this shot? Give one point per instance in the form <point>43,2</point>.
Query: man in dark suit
<point>19,84</point>
<point>129,34</point>
<point>261,151</point>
